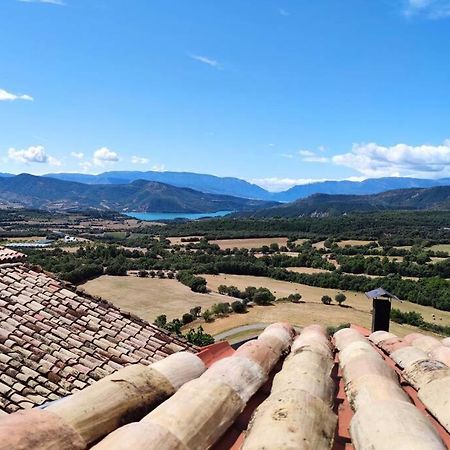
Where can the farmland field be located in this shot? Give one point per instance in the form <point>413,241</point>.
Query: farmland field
<point>297,314</point>
<point>249,243</point>
<point>312,310</point>
<point>440,248</point>
<point>148,297</point>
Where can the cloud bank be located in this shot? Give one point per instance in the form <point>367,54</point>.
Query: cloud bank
<point>6,96</point>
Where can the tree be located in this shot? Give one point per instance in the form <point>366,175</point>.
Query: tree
<point>161,274</point>
<point>326,299</point>
<point>199,337</point>
<point>152,273</point>
<point>170,275</point>
<point>239,307</point>
<point>199,285</point>
<point>340,298</point>
<point>263,296</point>
<point>142,274</point>
<point>208,316</point>
<point>161,321</point>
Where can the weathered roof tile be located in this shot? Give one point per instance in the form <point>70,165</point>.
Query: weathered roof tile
<point>54,340</point>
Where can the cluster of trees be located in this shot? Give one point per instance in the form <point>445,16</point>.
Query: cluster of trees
<point>411,266</point>
<point>339,299</point>
<point>259,296</point>
<point>86,263</point>
<point>195,336</point>
<point>153,274</point>
<point>416,319</point>
<point>197,284</point>
<point>390,228</point>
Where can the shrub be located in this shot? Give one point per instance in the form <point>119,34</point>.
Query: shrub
<point>294,298</point>
<point>174,326</point>
<point>221,309</point>
<point>187,318</point>
<point>239,307</point>
<point>326,299</point>
<point>332,329</point>
<point>208,316</point>
<point>142,274</point>
<point>195,311</point>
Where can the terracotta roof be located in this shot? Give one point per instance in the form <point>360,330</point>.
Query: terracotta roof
<point>54,341</point>
<point>275,392</point>
<point>8,255</point>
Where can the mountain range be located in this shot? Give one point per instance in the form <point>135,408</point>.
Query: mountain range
<point>240,188</point>
<point>142,196</point>
<point>325,204</point>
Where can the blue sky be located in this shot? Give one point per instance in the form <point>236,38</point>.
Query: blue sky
<point>277,92</point>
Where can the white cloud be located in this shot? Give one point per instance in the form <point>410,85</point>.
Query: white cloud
<point>430,9</point>
<point>205,60</point>
<point>159,168</point>
<point>139,160</point>
<point>8,96</point>
<point>309,156</point>
<point>77,155</point>
<point>375,160</point>
<point>33,154</point>
<point>105,155</point>
<point>50,2</point>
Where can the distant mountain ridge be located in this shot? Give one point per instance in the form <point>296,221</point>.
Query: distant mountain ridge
<point>142,196</point>
<point>200,182</point>
<point>240,188</point>
<point>365,187</point>
<point>325,204</point>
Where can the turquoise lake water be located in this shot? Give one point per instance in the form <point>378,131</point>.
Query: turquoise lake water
<point>149,216</point>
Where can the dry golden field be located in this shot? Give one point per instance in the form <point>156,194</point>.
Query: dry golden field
<point>249,243</point>
<point>148,297</point>
<point>301,314</point>
<point>312,311</point>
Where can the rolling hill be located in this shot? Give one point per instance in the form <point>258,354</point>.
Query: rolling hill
<point>144,196</point>
<point>325,204</point>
